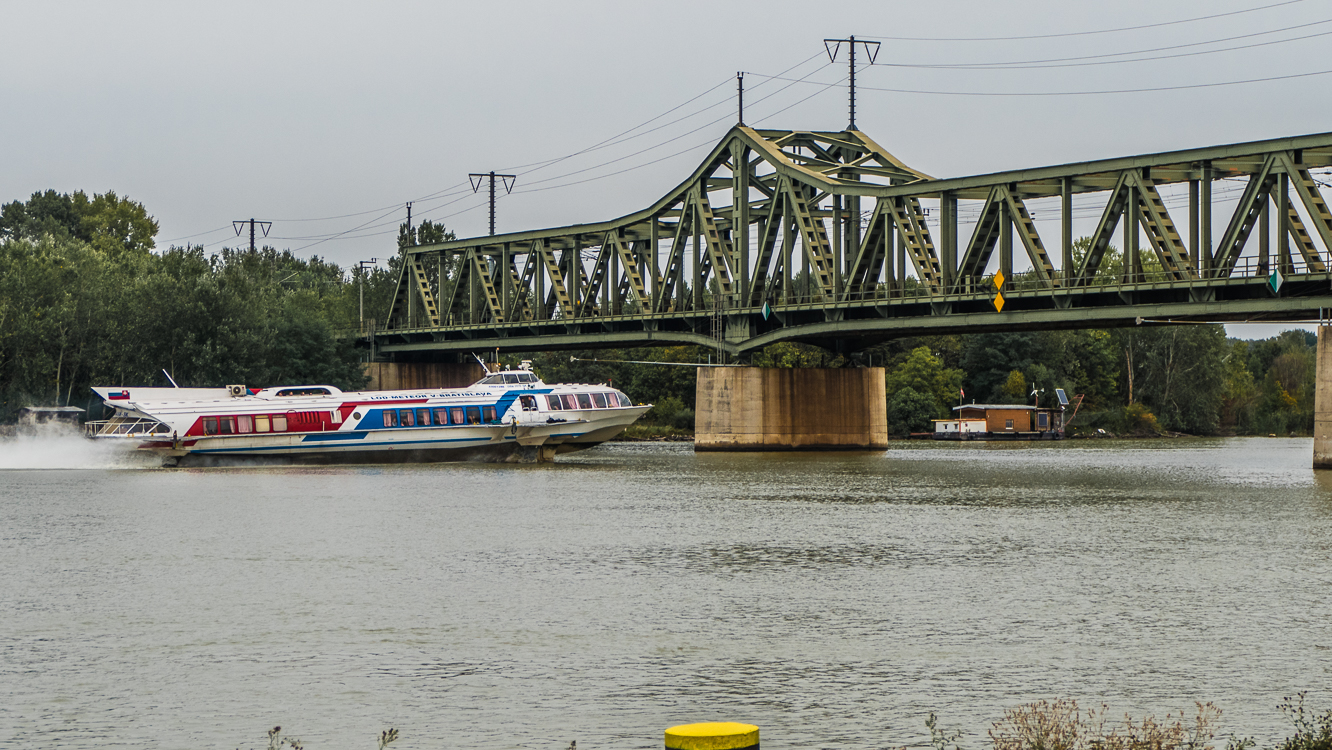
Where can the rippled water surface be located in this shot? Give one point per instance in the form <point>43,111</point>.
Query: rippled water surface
<point>833,599</point>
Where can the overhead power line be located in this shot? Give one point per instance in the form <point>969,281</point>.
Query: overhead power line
<point>1103,91</point>
<point>1082,33</point>
<point>1087,60</point>
<point>1072,93</point>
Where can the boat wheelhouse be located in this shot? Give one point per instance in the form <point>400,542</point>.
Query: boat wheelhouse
<point>505,416</point>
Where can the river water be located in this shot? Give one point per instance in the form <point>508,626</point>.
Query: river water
<point>834,599</point>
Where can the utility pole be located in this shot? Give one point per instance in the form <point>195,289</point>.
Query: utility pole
<point>740,89</point>
<point>238,225</point>
<point>871,51</point>
<point>364,265</point>
<point>477,180</point>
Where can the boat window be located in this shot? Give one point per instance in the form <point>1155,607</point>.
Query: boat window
<point>244,424</point>
<point>390,418</point>
<point>408,419</point>
<point>336,416</point>
<point>488,414</point>
<point>528,377</point>
<point>529,403</point>
<point>289,392</point>
<point>423,417</point>
<point>599,400</point>
<point>511,378</point>
<point>456,415</point>
<point>279,423</point>
<point>1008,424</point>
<point>584,401</point>
<point>210,426</point>
<point>1042,420</point>
<point>226,425</point>
<point>473,415</point>
<point>493,380</point>
<point>441,416</point>
<point>554,403</point>
<point>624,400</point>
<point>569,401</point>
<point>261,423</point>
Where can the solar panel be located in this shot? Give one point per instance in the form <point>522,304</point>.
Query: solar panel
<point>1063,397</point>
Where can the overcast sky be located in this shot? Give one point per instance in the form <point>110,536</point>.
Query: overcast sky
<point>297,112</point>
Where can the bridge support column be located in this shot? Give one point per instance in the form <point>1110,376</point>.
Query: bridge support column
<point>773,409</point>
<point>1322,447</point>
<point>392,376</point>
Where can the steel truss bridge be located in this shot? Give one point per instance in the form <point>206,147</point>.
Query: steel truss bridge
<point>826,238</point>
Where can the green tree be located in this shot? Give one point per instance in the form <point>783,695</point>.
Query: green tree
<point>925,373</point>
<point>1239,392</point>
<point>790,354</point>
<point>115,225</point>
<point>990,358</point>
<point>911,411</point>
<point>111,224</point>
<point>1015,387</point>
<point>1178,372</point>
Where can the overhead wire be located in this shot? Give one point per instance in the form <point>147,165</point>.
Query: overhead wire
<point>1183,87</point>
<point>1083,33</point>
<point>669,156</point>
<point>1091,60</point>
<point>613,140</point>
<point>631,133</point>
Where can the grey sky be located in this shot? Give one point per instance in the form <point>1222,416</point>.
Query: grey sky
<point>296,111</point>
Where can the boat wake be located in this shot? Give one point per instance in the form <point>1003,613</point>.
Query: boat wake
<point>59,447</point>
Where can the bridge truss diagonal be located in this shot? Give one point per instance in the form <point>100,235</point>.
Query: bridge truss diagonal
<point>828,238</point>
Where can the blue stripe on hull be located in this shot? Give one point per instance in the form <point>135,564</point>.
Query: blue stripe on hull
<point>322,437</point>
<point>298,447</point>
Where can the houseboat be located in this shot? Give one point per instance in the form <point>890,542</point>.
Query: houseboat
<point>505,416</point>
<point>1001,422</point>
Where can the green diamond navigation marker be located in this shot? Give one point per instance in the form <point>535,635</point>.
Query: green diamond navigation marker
<point>1275,281</point>
<point>767,311</point>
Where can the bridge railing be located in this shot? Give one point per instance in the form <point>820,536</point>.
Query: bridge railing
<point>910,290</point>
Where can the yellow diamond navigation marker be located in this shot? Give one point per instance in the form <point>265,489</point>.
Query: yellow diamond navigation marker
<point>999,302</point>
<point>999,281</point>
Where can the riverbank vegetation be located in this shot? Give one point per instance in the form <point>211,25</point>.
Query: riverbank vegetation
<point>86,297</point>
<point>1060,724</point>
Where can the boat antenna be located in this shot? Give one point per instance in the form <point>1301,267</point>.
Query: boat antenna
<point>168,376</point>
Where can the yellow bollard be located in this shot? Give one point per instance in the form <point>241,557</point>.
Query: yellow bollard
<point>713,735</point>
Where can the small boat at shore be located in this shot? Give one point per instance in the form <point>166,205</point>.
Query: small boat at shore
<point>505,416</point>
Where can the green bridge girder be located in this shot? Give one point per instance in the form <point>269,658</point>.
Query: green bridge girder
<point>825,238</point>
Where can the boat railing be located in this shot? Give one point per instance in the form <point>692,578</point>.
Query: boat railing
<point>124,427</point>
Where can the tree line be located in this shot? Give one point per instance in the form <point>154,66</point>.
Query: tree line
<point>87,299</point>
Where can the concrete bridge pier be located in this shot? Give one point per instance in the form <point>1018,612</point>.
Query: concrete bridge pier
<point>1322,447</point>
<point>391,376</point>
<point>775,409</point>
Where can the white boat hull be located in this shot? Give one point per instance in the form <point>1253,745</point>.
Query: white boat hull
<point>489,421</point>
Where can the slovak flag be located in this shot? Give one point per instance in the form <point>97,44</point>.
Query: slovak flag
<point>964,393</point>
<point>123,395</point>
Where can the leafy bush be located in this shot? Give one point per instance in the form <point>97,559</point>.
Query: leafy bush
<point>1312,731</point>
<point>910,411</point>
<point>665,411</point>
<point>1060,725</point>
<point>1140,421</point>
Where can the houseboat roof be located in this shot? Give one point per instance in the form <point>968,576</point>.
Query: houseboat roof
<point>1010,407</point>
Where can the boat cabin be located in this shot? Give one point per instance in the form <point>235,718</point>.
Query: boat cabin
<point>1000,421</point>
